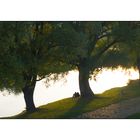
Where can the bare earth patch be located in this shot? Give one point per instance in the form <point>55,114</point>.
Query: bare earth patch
<point>115,111</point>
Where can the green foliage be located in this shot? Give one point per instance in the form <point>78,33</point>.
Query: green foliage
<point>45,48</point>
<point>94,45</point>
<point>26,51</point>
<point>42,49</point>
<point>129,47</point>
<point>134,116</point>
<point>125,52</point>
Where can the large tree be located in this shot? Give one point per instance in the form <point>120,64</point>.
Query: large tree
<point>26,52</point>
<point>85,45</point>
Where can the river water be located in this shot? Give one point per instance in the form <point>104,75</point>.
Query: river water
<point>11,104</point>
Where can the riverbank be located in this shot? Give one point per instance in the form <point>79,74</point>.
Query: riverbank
<point>73,107</point>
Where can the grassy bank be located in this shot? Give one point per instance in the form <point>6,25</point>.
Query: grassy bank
<point>72,107</point>
<point>134,116</point>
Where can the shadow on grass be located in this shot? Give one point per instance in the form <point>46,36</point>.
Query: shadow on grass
<point>24,114</point>
<point>77,108</point>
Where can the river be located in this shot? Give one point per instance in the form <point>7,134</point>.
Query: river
<point>11,104</point>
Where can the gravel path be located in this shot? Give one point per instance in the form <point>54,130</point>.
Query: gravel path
<point>115,111</point>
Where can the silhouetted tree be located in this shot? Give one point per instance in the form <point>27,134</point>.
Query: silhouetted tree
<point>26,57</point>
<point>86,44</point>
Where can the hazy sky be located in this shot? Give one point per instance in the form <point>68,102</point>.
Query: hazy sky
<point>11,104</point>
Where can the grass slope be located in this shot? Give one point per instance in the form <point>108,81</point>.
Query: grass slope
<point>72,107</point>
<point>134,116</point>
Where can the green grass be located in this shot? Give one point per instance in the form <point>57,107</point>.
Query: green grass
<point>72,107</point>
<point>134,116</point>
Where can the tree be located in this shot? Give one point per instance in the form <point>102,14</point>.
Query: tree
<point>132,47</point>
<point>84,45</point>
<point>126,53</point>
<point>27,57</point>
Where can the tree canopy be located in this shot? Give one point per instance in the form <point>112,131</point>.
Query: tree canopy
<point>88,46</point>
<point>27,57</point>
<point>126,54</point>
<point>31,51</point>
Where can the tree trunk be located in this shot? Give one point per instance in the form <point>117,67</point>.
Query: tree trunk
<point>28,92</point>
<point>138,66</point>
<point>139,72</point>
<point>84,86</point>
<point>28,96</point>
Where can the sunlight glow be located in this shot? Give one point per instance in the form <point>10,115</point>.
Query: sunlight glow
<point>109,79</point>
<point>11,104</point>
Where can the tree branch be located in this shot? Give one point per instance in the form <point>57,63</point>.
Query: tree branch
<point>105,48</point>
<point>97,38</point>
<point>40,78</point>
<point>103,35</point>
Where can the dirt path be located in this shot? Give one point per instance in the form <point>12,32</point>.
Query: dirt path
<point>115,111</point>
